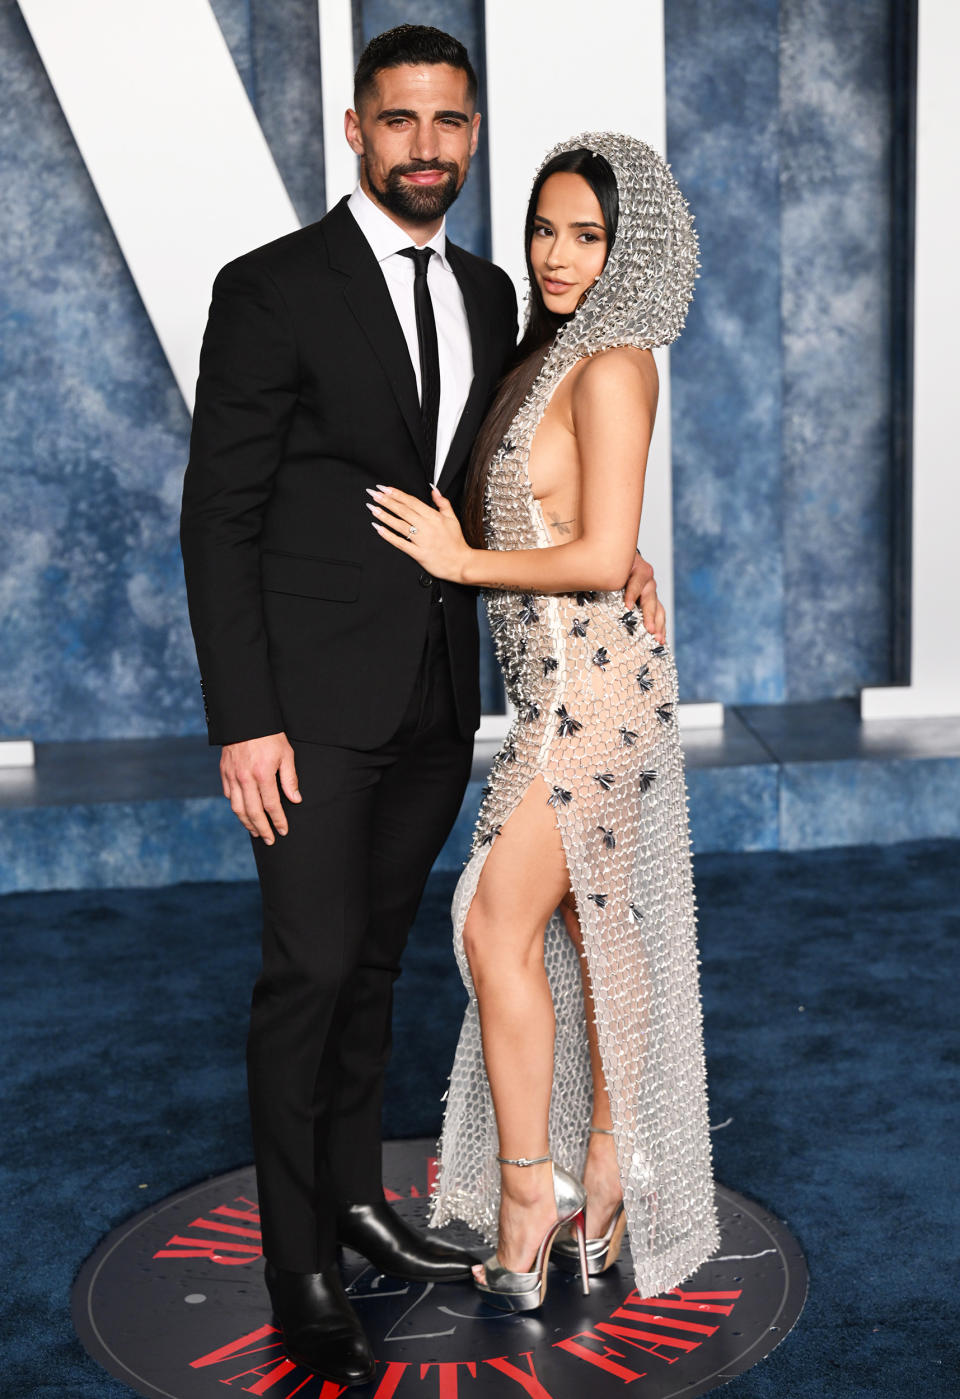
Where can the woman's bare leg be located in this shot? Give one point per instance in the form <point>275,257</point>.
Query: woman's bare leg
<point>523,881</point>
<point>601,1173</point>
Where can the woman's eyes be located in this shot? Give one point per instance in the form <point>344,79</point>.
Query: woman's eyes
<point>541,231</point>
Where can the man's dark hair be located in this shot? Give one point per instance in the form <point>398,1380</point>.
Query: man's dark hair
<point>410,43</point>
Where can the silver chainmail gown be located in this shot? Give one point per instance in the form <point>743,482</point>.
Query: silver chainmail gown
<point>595,699</point>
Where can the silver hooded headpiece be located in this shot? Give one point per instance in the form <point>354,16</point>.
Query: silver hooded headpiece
<point>642,295</point>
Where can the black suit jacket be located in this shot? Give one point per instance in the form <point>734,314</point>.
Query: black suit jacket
<point>305,620</point>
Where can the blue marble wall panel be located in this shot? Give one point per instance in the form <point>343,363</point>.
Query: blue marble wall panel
<point>835,185</point>
<point>93,629</point>
<point>276,49</point>
<point>469,219</point>
<point>114,845</point>
<point>868,803</point>
<point>285,41</point>
<point>722,142</point>
<point>734,808</point>
<point>233,17</point>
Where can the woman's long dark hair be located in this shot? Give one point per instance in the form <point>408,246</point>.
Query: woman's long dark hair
<point>541,328</point>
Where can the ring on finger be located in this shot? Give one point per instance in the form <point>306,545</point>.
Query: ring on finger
<point>412,531</point>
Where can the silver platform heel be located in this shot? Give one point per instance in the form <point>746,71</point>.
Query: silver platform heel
<point>524,1292</point>
<point>601,1253</point>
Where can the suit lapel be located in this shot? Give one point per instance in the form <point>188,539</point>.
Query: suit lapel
<point>369,300</point>
<point>483,371</point>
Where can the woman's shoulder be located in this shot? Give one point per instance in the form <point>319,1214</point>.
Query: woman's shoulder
<point>621,369</point>
<point>618,362</point>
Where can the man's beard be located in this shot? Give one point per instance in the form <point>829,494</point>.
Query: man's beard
<point>418,203</point>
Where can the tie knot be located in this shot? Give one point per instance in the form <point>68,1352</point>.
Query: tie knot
<point>420,258</point>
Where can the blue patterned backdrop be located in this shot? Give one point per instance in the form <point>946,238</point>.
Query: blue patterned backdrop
<point>779,131</point>
<point>93,636</point>
<point>276,50</point>
<point>835,192</point>
<point>726,369</point>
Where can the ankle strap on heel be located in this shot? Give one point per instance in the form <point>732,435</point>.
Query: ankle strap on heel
<point>523,1160</point>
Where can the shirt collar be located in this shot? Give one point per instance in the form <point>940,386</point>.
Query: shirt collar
<point>384,236</point>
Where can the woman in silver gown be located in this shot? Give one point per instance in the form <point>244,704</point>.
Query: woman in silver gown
<point>574,921</point>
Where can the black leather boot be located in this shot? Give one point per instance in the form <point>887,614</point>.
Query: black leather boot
<point>321,1331</point>
<point>393,1247</point>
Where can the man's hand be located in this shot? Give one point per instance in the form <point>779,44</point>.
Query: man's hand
<point>248,772</point>
<point>642,586</point>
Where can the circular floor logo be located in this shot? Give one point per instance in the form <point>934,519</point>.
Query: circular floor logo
<point>173,1304</point>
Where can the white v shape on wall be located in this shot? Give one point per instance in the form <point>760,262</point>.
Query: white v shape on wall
<point>173,147</point>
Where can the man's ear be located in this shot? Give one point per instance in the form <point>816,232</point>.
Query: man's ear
<point>474,139</point>
<point>351,129</point>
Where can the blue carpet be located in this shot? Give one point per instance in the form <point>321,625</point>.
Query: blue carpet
<point>829,983</point>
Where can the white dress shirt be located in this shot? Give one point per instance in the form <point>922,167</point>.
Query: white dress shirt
<point>453,332</point>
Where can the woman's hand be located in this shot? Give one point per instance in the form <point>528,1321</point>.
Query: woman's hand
<point>431,536</point>
<point>642,588</point>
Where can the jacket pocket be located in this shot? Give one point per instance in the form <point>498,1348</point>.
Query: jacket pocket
<point>333,580</point>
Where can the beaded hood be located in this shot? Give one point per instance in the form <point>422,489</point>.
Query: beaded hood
<point>642,295</point>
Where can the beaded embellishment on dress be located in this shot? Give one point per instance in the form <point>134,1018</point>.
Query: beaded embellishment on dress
<point>595,727</point>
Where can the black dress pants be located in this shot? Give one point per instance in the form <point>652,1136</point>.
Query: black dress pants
<point>340,892</point>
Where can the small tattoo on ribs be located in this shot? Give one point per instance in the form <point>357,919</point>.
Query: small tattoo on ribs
<point>562,526</point>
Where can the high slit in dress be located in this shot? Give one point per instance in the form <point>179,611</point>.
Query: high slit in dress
<point>596,728</point>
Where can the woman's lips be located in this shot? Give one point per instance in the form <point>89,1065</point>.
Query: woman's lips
<point>556,288</point>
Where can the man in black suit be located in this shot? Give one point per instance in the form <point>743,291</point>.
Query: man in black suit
<point>340,679</point>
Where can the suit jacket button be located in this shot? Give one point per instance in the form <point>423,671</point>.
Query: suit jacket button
<point>425,580</point>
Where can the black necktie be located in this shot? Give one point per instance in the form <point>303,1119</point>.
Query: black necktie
<point>429,352</point>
